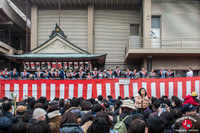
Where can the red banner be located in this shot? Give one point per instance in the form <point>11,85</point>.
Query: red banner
<point>92,88</point>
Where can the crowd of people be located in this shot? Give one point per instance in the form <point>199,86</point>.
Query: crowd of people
<point>96,74</point>
<point>139,114</point>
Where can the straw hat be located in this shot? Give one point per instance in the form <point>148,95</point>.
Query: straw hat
<point>128,104</point>
<point>194,94</point>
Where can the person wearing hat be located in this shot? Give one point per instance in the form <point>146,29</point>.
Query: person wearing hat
<point>190,99</point>
<point>189,110</point>
<point>127,107</point>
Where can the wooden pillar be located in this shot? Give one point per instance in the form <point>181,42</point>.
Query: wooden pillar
<point>146,23</point>
<point>34,26</point>
<point>91,28</point>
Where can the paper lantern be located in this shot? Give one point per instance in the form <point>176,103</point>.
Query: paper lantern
<point>48,65</point>
<point>70,65</point>
<point>27,65</point>
<point>59,65</point>
<point>81,64</point>
<point>38,65</point>
<point>32,65</point>
<point>65,65</point>
<point>53,64</point>
<point>75,65</point>
<point>43,65</point>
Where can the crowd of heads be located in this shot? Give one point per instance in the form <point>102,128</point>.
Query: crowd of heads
<point>138,114</point>
<point>87,74</point>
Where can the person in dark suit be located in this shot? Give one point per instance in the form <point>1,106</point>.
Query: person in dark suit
<point>143,73</point>
<point>51,73</point>
<point>117,73</point>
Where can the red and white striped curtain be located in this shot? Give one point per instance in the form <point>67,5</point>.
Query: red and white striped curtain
<point>92,88</point>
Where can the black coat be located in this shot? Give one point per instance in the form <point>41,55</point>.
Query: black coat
<point>12,117</point>
<point>5,124</point>
<point>71,128</point>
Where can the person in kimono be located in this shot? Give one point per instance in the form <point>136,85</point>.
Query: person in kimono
<point>69,74</point>
<point>46,74</point>
<point>143,73</point>
<point>1,74</point>
<point>51,73</point>
<point>81,74</point>
<point>74,75</point>
<point>14,74</point>
<point>6,74</point>
<point>110,73</point>
<point>117,73</point>
<point>100,74</point>
<point>135,74</point>
<point>162,73</point>
<point>38,74</point>
<point>56,73</point>
<point>95,73</point>
<point>169,74</point>
<point>128,73</point>
<point>105,74</point>
<point>152,74</point>
<point>89,76</point>
<point>25,74</point>
<point>190,72</point>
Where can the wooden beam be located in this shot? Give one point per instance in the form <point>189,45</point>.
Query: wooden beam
<point>6,23</point>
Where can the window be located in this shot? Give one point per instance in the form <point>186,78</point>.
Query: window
<point>155,22</point>
<point>134,29</point>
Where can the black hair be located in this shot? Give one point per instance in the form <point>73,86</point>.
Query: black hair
<point>156,103</point>
<point>92,100</point>
<point>118,103</point>
<point>42,99</point>
<point>168,116</point>
<point>141,90</point>
<point>39,127</point>
<point>80,98</point>
<point>6,105</point>
<point>87,117</point>
<point>62,103</point>
<point>139,116</point>
<point>85,106</point>
<point>137,126</point>
<point>27,115</point>
<point>117,67</point>
<point>75,102</point>
<point>96,108</point>
<point>177,101</point>
<point>45,105</point>
<point>119,98</point>
<point>109,96</point>
<point>53,107</point>
<point>156,124</point>
<point>167,101</point>
<point>4,98</point>
<point>100,125</point>
<point>32,103</point>
<point>56,99</point>
<point>100,97</point>
<point>19,127</point>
